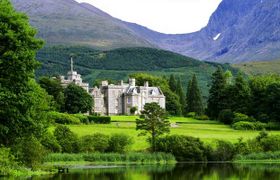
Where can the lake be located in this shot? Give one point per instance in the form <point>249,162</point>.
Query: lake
<point>193,171</point>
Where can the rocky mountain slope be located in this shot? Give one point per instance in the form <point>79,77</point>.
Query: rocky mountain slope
<point>70,23</point>
<point>238,31</point>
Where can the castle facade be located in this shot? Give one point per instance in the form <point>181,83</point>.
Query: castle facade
<point>111,99</point>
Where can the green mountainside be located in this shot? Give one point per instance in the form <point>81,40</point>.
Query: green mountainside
<point>259,68</point>
<point>120,63</point>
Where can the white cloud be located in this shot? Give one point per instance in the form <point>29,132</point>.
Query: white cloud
<point>168,16</point>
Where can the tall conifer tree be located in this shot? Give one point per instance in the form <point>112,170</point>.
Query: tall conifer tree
<point>172,83</point>
<point>241,95</point>
<point>194,99</point>
<point>216,94</point>
<point>181,94</point>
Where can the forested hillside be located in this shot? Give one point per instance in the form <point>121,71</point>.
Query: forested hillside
<point>118,64</point>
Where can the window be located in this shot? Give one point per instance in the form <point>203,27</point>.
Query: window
<point>129,99</point>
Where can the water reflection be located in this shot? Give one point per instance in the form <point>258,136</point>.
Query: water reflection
<point>179,172</point>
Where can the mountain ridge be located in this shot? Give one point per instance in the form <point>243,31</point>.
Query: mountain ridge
<point>238,31</point>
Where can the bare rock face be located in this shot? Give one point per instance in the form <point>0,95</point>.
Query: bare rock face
<point>238,31</point>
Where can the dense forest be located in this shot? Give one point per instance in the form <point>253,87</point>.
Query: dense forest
<point>120,63</point>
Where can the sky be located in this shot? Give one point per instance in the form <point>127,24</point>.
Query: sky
<point>166,16</point>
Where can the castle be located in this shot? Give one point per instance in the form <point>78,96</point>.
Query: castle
<point>110,99</point>
<point>73,77</point>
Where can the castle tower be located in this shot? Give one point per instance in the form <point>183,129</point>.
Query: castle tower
<point>72,65</point>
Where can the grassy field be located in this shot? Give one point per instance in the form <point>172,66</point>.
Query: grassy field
<point>208,131</point>
<point>258,68</point>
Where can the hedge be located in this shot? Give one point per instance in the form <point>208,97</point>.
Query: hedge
<point>99,119</point>
<point>63,118</point>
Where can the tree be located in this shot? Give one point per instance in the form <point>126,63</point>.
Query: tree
<point>77,100</point>
<point>181,95</point>
<point>194,99</point>
<point>260,108</point>
<point>55,89</point>
<point>273,101</point>
<point>172,83</point>
<point>216,94</point>
<point>240,95</point>
<point>22,102</point>
<point>68,141</point>
<point>153,121</point>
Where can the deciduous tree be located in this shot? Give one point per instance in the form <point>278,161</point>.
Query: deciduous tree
<point>77,100</point>
<point>22,102</point>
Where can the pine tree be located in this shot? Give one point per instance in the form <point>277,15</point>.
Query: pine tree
<point>240,95</point>
<point>216,94</point>
<point>172,83</point>
<point>181,94</point>
<point>194,99</point>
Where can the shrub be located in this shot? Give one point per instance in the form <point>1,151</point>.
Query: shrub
<point>184,148</point>
<point>272,126</point>
<point>245,125</point>
<point>241,147</point>
<point>96,142</point>
<point>29,151</point>
<point>202,117</point>
<point>68,141</point>
<point>7,161</point>
<point>270,143</point>
<point>50,142</point>
<point>119,143</point>
<point>191,115</point>
<point>63,118</point>
<point>224,151</point>
<point>133,110</point>
<point>226,116</point>
<point>99,119</point>
<point>242,117</point>
<point>94,114</point>
<point>83,118</point>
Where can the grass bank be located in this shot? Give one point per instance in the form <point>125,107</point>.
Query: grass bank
<point>262,157</point>
<point>23,172</point>
<point>109,158</point>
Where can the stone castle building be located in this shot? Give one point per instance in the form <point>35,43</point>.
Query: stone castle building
<point>73,77</point>
<point>110,99</point>
<point>113,99</point>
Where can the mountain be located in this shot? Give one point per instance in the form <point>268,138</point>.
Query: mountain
<point>238,31</point>
<point>71,23</point>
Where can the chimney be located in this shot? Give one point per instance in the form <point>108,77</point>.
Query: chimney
<point>132,82</point>
<point>146,84</point>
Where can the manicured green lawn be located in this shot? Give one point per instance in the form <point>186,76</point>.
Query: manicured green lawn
<point>208,131</point>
